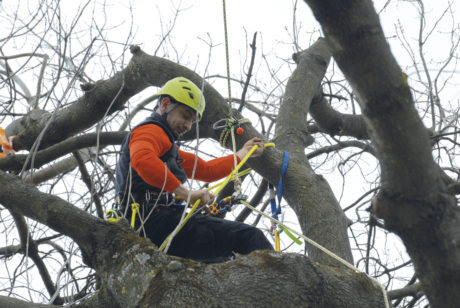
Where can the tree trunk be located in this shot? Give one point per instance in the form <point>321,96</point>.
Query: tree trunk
<point>413,200</point>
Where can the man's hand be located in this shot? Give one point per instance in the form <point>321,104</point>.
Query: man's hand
<point>203,194</point>
<point>248,146</point>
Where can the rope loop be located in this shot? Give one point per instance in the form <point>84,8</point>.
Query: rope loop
<point>227,125</point>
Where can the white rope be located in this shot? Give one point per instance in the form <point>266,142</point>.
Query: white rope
<point>323,249</point>
<point>141,218</point>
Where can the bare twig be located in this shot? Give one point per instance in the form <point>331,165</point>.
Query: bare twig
<point>249,74</point>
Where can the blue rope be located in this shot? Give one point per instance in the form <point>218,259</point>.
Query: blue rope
<point>276,208</point>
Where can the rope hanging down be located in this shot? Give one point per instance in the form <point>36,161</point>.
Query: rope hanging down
<point>227,55</point>
<point>236,181</point>
<point>276,229</point>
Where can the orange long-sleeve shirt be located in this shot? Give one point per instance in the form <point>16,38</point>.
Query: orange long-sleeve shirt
<point>149,142</point>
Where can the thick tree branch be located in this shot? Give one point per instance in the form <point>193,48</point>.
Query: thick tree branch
<point>16,162</point>
<point>175,282</point>
<point>336,123</point>
<point>308,194</point>
<point>360,48</point>
<point>49,210</point>
<point>68,164</point>
<point>104,97</point>
<point>413,199</point>
<point>62,166</point>
<point>454,188</point>
<point>411,290</point>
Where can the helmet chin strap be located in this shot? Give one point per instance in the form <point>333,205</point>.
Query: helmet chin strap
<point>171,108</point>
<point>168,110</point>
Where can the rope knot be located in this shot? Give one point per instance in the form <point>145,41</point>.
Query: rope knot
<point>227,125</point>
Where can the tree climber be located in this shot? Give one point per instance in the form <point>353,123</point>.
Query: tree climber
<point>151,170</point>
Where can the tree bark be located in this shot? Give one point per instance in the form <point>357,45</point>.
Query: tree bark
<point>413,200</point>
<point>336,123</point>
<point>309,194</point>
<point>16,162</point>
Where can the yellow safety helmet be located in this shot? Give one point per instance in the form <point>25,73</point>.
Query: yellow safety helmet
<point>185,92</point>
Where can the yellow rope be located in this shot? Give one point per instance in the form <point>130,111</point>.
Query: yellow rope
<point>219,188</point>
<point>244,172</point>
<point>172,235</point>
<point>235,171</point>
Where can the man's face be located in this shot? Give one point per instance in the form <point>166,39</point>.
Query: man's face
<point>181,119</point>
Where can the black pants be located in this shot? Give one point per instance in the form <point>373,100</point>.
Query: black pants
<point>203,238</point>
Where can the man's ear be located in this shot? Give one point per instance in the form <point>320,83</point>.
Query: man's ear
<point>164,104</point>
